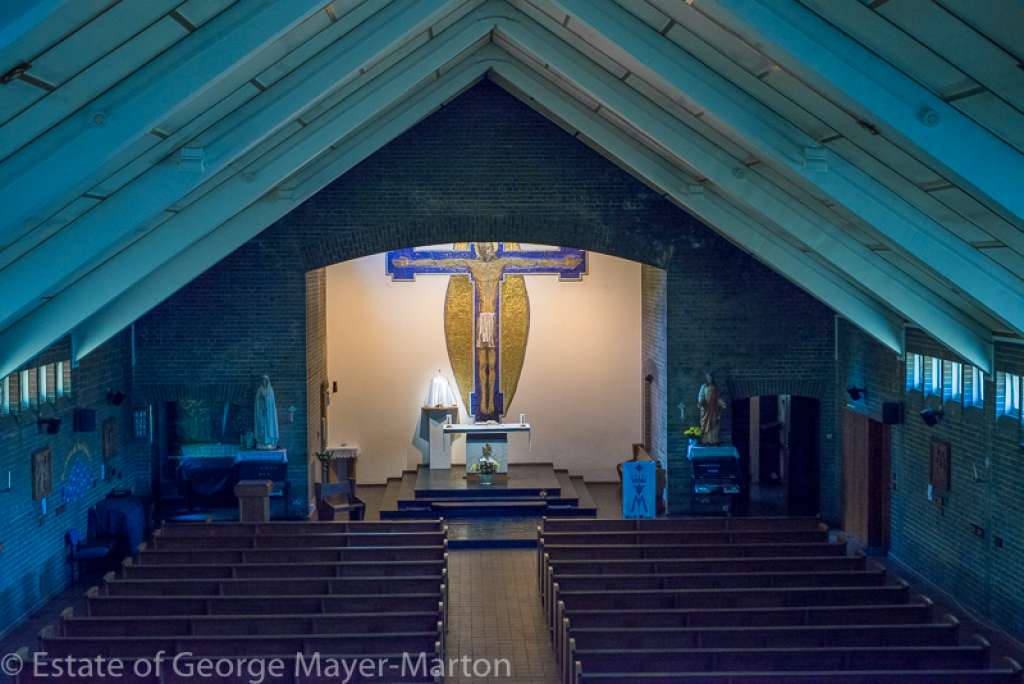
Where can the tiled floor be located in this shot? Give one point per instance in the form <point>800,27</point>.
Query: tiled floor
<point>495,613</point>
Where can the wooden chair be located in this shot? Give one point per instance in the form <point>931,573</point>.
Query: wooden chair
<point>339,497</point>
<point>82,551</point>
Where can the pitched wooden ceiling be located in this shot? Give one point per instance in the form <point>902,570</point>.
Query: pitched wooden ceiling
<point>870,152</point>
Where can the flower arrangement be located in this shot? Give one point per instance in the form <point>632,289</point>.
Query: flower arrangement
<point>486,466</point>
<point>692,432</point>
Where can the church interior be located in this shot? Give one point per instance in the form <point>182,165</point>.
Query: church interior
<point>545,341</point>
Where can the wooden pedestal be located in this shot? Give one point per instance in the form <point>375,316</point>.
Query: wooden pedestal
<point>253,500</point>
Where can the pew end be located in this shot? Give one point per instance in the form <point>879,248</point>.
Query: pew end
<point>1017,672</point>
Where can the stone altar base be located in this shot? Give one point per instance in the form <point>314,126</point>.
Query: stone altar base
<point>535,489</point>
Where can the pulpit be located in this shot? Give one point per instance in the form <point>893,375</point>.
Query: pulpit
<point>439,455</point>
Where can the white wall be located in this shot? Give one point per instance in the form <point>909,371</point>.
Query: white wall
<point>580,384</point>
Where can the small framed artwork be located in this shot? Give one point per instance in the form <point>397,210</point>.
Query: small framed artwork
<point>940,466</point>
<point>109,438</point>
<point>42,474</point>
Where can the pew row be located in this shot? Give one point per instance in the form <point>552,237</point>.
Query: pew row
<point>756,523</point>
<point>162,542</point>
<point>241,625</point>
<point>130,570</point>
<point>298,527</point>
<point>1008,672</point>
<point>212,645</point>
<point>388,554</point>
<point>113,586</point>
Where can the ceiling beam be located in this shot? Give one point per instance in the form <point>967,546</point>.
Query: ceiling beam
<point>51,264</point>
<point>64,161</point>
<point>846,72</point>
<point>778,142</point>
<point>743,230</point>
<point>756,194</point>
<point>67,308</point>
<point>177,272</point>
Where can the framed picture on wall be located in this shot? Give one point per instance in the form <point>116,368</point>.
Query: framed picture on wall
<point>109,438</point>
<point>940,466</point>
<point>42,474</point>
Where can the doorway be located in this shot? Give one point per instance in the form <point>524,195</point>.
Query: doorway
<point>777,439</point>
<point>866,480</point>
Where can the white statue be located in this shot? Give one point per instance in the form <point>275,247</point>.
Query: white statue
<point>440,392</point>
<point>265,418</point>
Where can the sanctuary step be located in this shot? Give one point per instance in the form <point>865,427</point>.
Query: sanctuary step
<point>531,489</point>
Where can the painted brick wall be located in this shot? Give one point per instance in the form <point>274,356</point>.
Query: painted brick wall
<point>936,540</point>
<point>32,562</point>
<point>654,344</point>
<point>759,334</point>
<point>316,361</point>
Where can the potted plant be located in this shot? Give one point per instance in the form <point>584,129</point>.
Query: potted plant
<point>486,466</point>
<point>693,434</point>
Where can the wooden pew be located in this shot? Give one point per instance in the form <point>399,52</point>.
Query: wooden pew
<point>648,537</point>
<point>694,524</point>
<point>568,618</point>
<point>147,556</point>
<point>872,577</point>
<point>677,538</point>
<point>261,587</point>
<point>221,645</point>
<point>974,657</point>
<point>629,566</point>
<point>944,633</point>
<point>124,606</point>
<point>302,527</point>
<point>240,625</point>
<point>1009,672</point>
<point>129,570</point>
<point>296,541</point>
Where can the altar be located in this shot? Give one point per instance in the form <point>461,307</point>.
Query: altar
<point>484,439</point>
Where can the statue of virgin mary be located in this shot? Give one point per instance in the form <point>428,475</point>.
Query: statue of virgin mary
<point>265,419</point>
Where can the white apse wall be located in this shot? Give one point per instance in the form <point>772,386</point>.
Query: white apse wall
<point>580,387</point>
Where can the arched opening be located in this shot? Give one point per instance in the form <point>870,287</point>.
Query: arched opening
<point>568,340</point>
<point>777,439</point>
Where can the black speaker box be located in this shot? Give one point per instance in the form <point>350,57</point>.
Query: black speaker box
<point>892,412</point>
<point>85,420</point>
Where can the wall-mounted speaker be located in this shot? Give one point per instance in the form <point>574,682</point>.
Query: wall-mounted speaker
<point>892,412</point>
<point>85,420</point>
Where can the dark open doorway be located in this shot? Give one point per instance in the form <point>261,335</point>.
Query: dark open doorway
<point>777,439</point>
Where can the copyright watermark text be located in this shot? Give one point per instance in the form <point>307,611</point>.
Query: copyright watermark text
<point>255,669</point>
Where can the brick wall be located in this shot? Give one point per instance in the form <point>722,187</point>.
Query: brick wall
<point>316,363</point>
<point>759,334</point>
<point>32,561</point>
<point>654,344</point>
<point>936,540</point>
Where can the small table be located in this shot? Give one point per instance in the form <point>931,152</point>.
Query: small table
<point>343,461</point>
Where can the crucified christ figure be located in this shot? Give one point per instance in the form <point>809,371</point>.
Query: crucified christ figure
<point>486,271</point>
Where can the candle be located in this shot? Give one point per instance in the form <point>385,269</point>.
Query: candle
<point>522,419</point>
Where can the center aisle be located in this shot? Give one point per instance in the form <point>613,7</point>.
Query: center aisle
<point>495,613</point>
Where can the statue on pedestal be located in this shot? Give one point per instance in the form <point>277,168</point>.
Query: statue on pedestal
<point>711,406</point>
<point>265,416</point>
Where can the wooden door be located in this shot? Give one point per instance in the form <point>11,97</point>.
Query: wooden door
<point>866,479</point>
